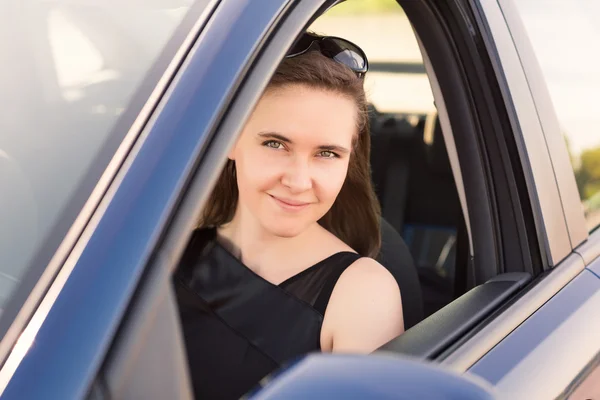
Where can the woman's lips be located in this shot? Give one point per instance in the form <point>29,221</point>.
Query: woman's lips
<point>289,204</point>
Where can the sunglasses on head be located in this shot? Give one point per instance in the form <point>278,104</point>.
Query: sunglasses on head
<point>338,49</point>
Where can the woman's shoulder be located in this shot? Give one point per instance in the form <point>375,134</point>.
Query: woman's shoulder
<point>365,309</point>
<point>366,276</point>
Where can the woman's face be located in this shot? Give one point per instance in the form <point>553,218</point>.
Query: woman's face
<point>292,157</point>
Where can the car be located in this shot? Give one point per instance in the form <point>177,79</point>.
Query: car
<point>116,120</point>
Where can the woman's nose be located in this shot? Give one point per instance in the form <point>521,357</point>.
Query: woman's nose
<point>297,176</point>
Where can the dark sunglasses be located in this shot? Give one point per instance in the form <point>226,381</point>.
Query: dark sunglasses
<point>338,49</point>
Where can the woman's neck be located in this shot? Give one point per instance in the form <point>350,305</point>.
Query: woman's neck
<point>257,248</point>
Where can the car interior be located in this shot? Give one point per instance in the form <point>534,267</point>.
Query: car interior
<point>411,173</point>
<point>426,242</point>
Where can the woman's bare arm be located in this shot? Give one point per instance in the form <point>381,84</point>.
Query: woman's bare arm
<point>365,310</point>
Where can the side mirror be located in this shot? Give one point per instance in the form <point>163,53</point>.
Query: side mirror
<point>328,376</point>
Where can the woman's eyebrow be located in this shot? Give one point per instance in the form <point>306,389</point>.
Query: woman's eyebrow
<point>275,135</point>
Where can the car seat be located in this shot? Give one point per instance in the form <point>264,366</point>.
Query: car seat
<point>415,186</point>
<point>395,256</point>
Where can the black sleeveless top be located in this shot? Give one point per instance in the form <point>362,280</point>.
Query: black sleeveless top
<point>237,326</point>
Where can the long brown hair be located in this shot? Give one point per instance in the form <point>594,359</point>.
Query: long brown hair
<point>354,216</point>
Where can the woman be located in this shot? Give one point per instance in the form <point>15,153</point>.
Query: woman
<point>282,264</point>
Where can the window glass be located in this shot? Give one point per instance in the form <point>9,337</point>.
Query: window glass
<point>409,161</point>
<point>73,77</point>
<point>566,39</point>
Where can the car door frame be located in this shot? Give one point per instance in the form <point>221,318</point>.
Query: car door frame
<point>553,234</point>
<point>175,240</point>
<point>550,246</point>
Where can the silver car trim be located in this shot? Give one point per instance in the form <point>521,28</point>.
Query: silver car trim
<point>555,349</point>
<point>562,168</point>
<point>60,266</point>
<point>501,326</point>
<point>551,226</point>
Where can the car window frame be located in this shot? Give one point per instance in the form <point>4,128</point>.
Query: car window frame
<point>531,300</point>
<point>176,243</point>
<point>45,287</point>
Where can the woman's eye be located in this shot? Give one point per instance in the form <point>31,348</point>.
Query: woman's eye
<point>273,144</point>
<point>327,154</point>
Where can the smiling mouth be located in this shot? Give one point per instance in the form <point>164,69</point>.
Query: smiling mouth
<point>288,204</point>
